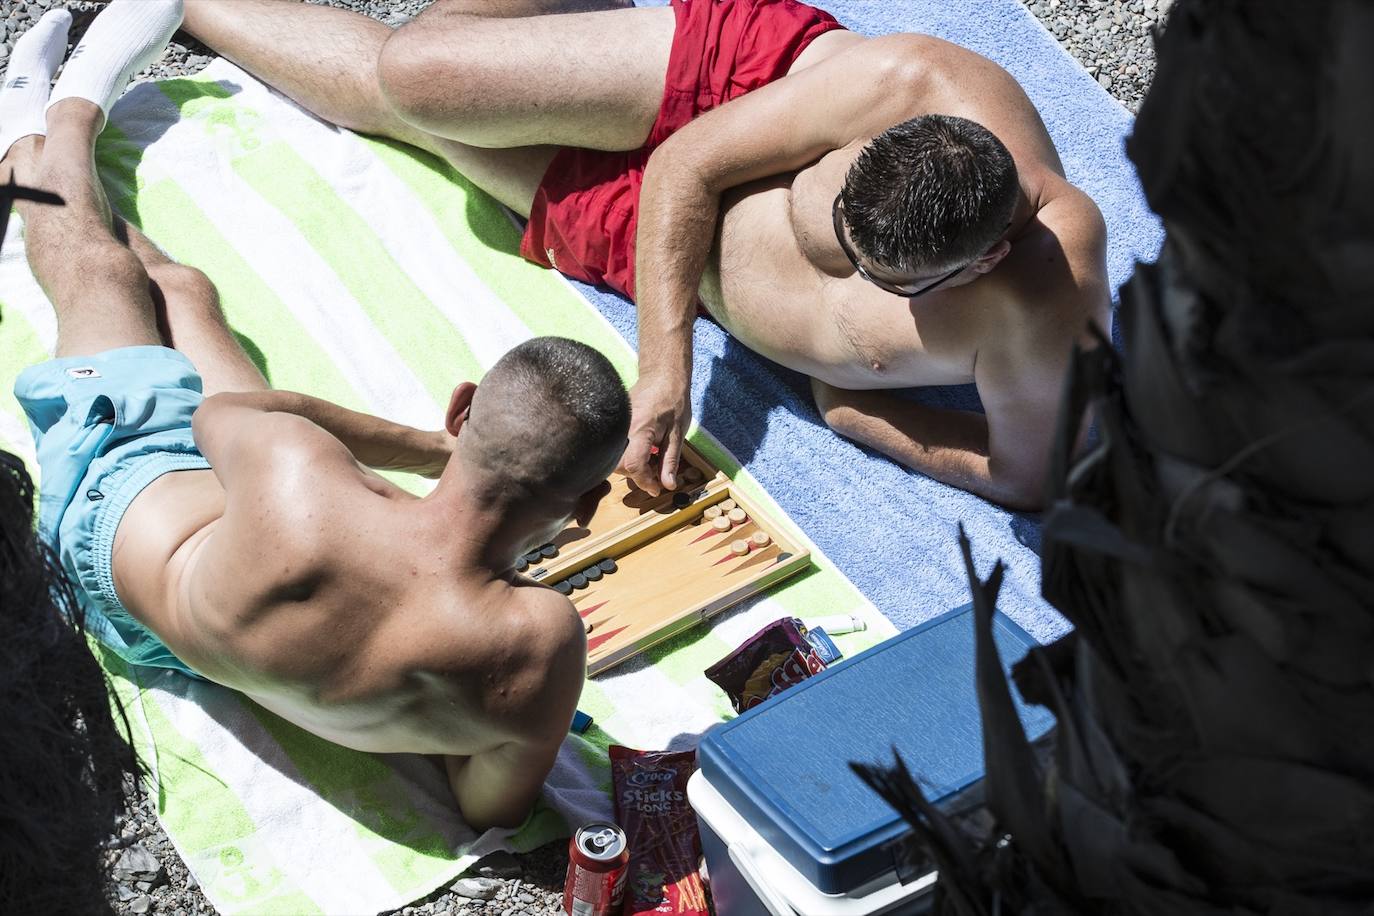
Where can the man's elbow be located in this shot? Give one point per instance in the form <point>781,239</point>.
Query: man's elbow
<point>1019,492</point>
<point>834,412</point>
<point>680,167</point>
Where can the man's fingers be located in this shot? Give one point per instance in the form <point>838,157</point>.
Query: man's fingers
<point>672,454</point>
<point>638,467</point>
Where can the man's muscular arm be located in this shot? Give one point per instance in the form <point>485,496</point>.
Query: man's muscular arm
<point>953,446</point>
<point>534,707</point>
<point>777,128</point>
<point>373,441</point>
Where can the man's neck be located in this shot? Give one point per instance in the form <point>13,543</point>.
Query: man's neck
<point>481,531</point>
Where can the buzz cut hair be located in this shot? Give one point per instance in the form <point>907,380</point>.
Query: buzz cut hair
<point>930,194</point>
<point>549,417</point>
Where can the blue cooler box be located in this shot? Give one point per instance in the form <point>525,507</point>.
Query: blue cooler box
<point>786,826</point>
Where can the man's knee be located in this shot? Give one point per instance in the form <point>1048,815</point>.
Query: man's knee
<point>427,77</point>
<point>185,291</point>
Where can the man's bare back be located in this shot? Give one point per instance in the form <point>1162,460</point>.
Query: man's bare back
<point>337,600</point>
<point>736,207</point>
<point>376,619</point>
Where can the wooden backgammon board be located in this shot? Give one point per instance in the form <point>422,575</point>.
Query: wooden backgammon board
<point>646,568</point>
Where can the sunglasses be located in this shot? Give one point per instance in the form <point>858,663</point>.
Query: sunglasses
<point>896,289</point>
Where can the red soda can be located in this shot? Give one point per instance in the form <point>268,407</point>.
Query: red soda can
<point>597,858</point>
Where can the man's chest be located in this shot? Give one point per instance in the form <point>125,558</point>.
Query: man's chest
<point>840,330</point>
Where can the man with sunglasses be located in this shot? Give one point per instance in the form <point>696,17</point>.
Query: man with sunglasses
<point>879,213</point>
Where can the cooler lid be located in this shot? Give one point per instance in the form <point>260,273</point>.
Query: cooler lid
<point>784,765</point>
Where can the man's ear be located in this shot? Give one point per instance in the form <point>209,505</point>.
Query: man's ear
<point>458,405</point>
<point>992,257</point>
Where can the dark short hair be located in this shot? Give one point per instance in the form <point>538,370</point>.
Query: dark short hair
<point>930,194</point>
<point>549,415</point>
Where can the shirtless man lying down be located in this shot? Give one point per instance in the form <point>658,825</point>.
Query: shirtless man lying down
<point>878,213</point>
<point>219,528</point>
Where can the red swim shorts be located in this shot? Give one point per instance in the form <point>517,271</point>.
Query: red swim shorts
<point>586,209</point>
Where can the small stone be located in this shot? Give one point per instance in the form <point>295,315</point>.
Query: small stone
<point>524,898</point>
<point>141,904</point>
<point>477,888</point>
<point>137,862</point>
<point>125,894</point>
<point>1104,80</point>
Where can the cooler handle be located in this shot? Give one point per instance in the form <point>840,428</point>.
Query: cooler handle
<point>775,905</point>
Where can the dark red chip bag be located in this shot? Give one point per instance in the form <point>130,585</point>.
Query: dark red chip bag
<point>665,847</point>
<point>775,658</point>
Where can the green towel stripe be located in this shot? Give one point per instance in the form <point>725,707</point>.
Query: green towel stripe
<point>683,658</point>
<point>411,856</point>
<point>544,826</point>
<point>21,347</point>
<point>479,231</point>
<point>432,347</point>
<point>209,822</point>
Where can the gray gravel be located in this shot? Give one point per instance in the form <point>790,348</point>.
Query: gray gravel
<point>1111,38</point>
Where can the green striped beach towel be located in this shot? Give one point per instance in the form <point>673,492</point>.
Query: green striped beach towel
<point>372,275</point>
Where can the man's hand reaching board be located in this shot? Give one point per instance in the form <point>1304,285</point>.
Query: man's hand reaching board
<point>659,418</point>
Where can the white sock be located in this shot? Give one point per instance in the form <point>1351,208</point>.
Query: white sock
<point>24,92</point>
<point>127,36</point>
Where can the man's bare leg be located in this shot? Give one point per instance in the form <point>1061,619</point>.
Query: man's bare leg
<point>189,318</point>
<point>110,286</point>
<point>515,9</point>
<point>97,285</point>
<point>591,79</point>
<point>326,60</point>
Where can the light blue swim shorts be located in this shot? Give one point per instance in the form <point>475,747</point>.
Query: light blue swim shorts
<point>106,426</point>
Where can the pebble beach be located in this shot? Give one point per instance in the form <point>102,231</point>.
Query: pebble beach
<point>1112,39</point>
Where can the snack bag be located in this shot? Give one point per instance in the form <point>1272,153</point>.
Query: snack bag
<point>665,847</point>
<point>772,660</point>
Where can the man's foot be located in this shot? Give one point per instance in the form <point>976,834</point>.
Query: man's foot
<point>127,36</point>
<point>28,79</point>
